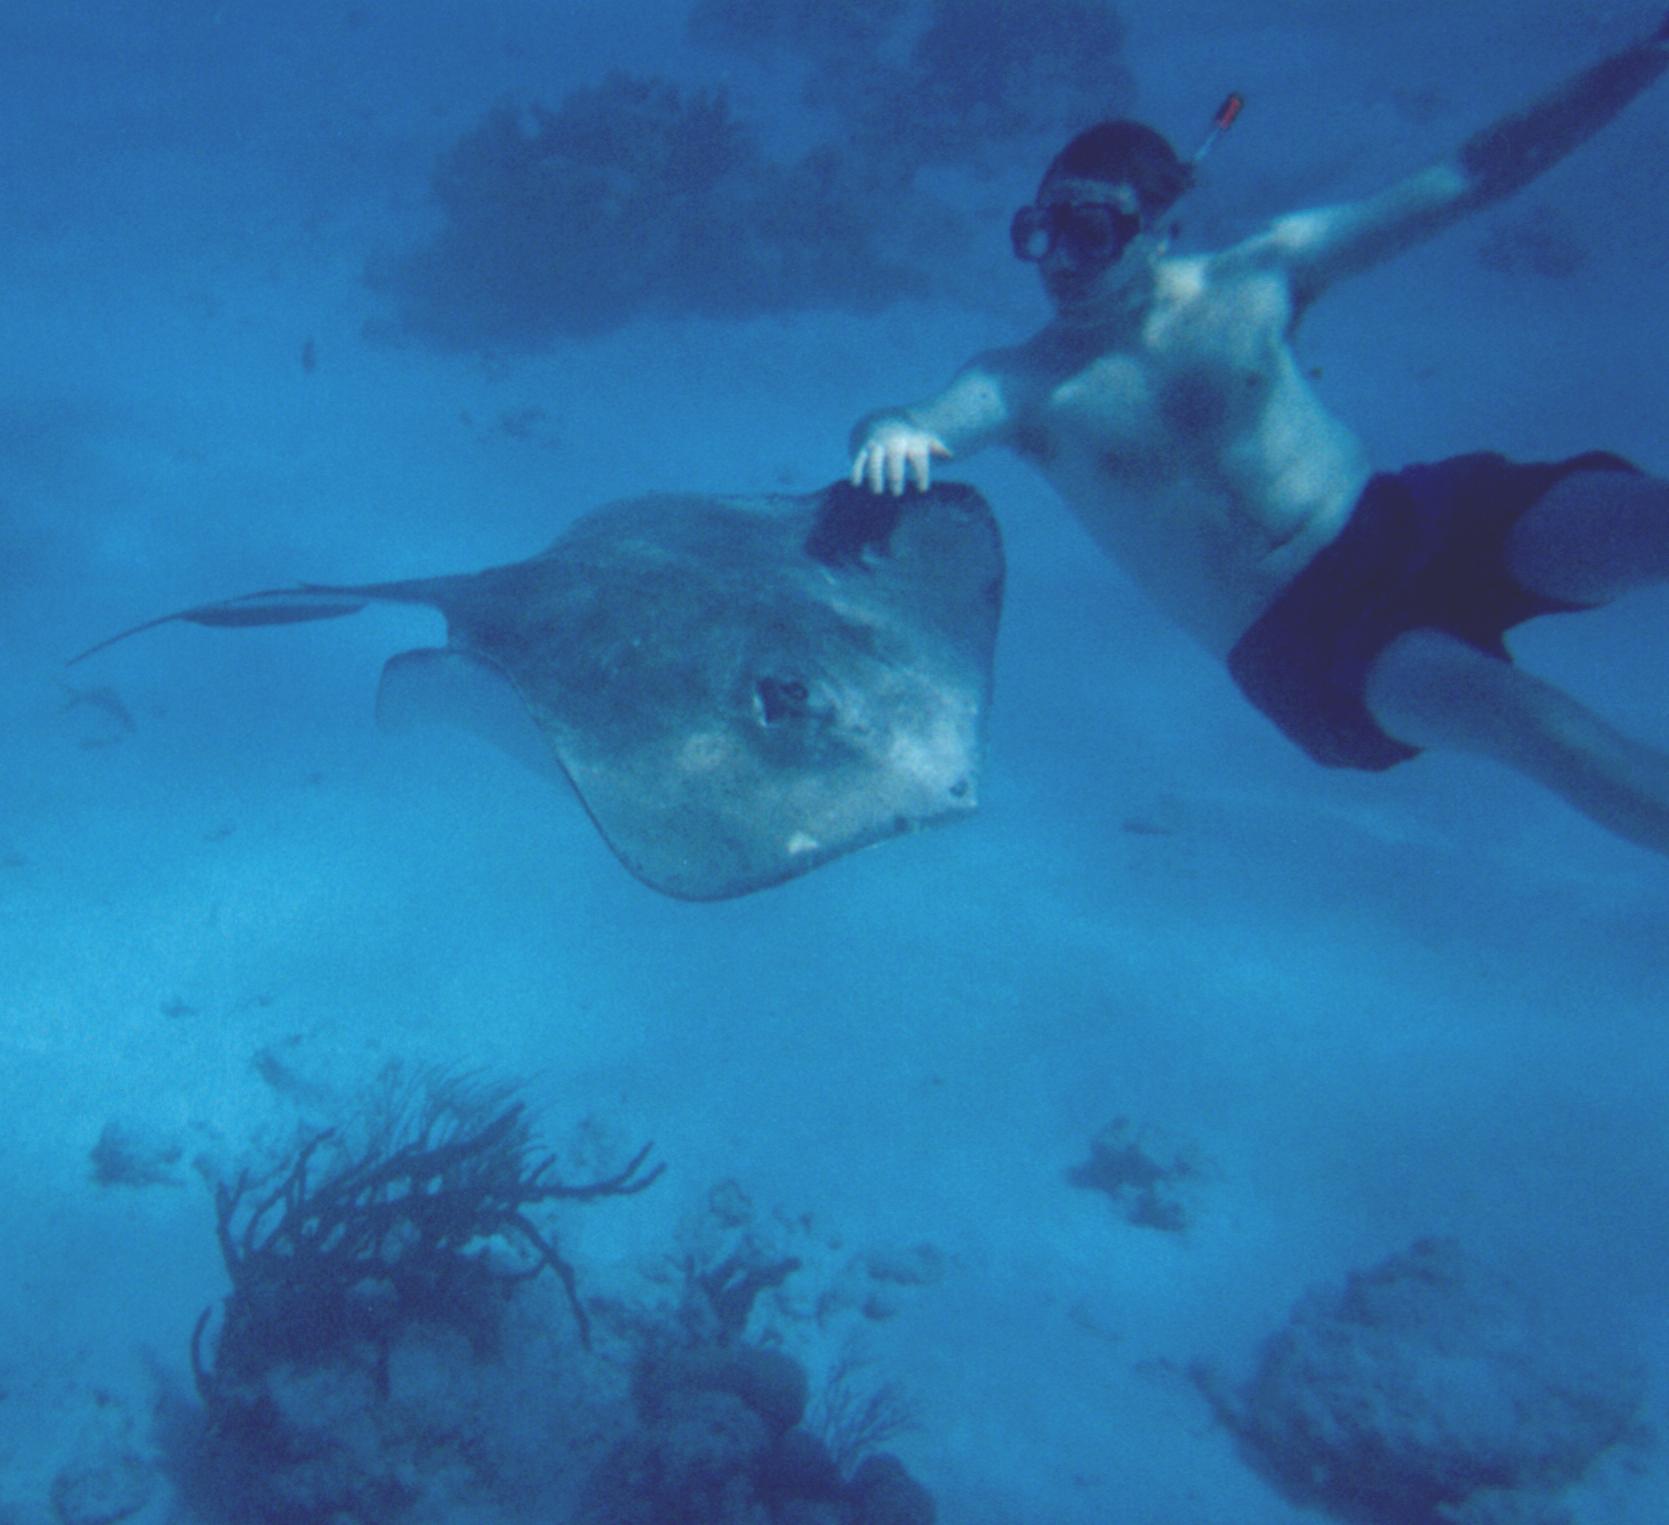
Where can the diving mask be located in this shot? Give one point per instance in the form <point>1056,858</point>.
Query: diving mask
<point>1091,232</point>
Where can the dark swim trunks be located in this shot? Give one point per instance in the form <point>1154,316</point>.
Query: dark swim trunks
<point>1425,548</point>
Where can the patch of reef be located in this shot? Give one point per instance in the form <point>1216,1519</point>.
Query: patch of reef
<point>407,1341</point>
<point>392,1351</point>
<point>1147,1178</point>
<point>1429,1390</point>
<point>642,196</point>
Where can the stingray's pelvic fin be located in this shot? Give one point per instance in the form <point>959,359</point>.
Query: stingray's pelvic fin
<point>275,606</point>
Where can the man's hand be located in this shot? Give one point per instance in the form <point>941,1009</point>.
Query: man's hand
<point>894,452</point>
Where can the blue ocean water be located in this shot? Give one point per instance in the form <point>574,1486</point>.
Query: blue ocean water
<point>345,292</point>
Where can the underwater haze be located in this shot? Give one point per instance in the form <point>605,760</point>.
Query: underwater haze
<point>1189,1135</point>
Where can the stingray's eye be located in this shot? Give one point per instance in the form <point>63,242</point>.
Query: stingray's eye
<point>782,699</point>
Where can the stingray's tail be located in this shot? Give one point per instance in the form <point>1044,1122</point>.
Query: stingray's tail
<point>281,606</point>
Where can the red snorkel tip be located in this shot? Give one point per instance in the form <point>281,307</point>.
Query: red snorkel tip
<point>1221,121</point>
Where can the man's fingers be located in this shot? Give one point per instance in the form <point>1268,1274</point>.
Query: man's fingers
<point>896,461</point>
<point>889,467</point>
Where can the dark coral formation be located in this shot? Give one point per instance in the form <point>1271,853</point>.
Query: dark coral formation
<point>725,1432</point>
<point>352,1238</point>
<point>919,82</point>
<point>132,1154</point>
<point>828,29</point>
<point>855,1418</point>
<point>1144,1179</point>
<point>390,1355</point>
<point>982,74</point>
<point>1427,1391</point>
<point>635,197</point>
<point>642,197</point>
<point>720,1442</point>
<point>372,1279</point>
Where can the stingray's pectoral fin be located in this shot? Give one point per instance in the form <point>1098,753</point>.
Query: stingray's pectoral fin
<point>278,606</point>
<point>448,687</point>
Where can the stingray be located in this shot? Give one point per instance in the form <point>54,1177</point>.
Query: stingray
<point>738,688</point>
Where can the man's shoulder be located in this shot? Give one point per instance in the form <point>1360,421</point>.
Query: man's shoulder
<point>1267,253</point>
<point>1245,278</point>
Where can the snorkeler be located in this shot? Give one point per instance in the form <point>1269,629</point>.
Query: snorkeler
<point>1362,612</point>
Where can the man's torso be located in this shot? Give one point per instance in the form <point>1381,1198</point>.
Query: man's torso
<point>1189,443</point>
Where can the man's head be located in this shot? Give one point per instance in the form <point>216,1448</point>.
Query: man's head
<point>1125,153</point>
<point>1108,184</point>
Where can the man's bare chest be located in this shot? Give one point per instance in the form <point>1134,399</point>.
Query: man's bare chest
<point>1138,414</point>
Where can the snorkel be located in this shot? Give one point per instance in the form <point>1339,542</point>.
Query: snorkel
<point>1222,119</point>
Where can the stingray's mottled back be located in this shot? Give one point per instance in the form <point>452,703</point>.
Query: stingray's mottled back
<point>741,689</point>
<point>738,688</point>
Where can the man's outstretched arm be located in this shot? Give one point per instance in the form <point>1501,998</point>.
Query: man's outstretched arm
<point>1321,246</point>
<point>1512,152</point>
<point>896,447</point>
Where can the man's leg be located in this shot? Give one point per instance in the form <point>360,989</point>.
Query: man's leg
<point>1593,536</point>
<point>1430,690</point>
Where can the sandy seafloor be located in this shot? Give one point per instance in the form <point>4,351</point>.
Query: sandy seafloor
<point>1380,1007</point>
